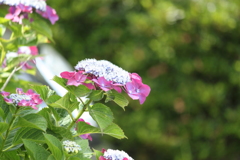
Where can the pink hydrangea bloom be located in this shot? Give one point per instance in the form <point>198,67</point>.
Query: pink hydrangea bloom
<point>14,15</point>
<point>30,98</point>
<point>106,85</point>
<point>85,136</point>
<point>137,90</point>
<point>76,78</point>
<point>50,14</point>
<point>107,76</point>
<point>21,9</point>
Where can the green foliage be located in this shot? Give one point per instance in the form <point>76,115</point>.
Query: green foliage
<point>187,51</point>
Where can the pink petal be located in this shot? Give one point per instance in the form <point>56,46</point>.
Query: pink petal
<point>30,92</point>
<point>19,91</point>
<point>101,158</point>
<point>145,89</point>
<point>9,16</point>
<point>118,89</point>
<point>89,85</point>
<point>8,100</point>
<point>135,76</point>
<point>34,50</point>
<point>4,94</point>
<point>72,81</point>
<point>142,98</point>
<point>67,75</point>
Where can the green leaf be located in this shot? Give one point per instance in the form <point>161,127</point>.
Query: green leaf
<point>60,132</point>
<point>33,121</point>
<point>43,28</point>
<point>54,146</point>
<point>85,149</point>
<point>68,102</point>
<point>46,113</point>
<point>4,108</point>
<point>3,127</point>
<point>23,111</point>
<point>28,133</point>
<point>3,54</point>
<point>36,151</point>
<point>97,153</point>
<point>101,114</point>
<point>114,131</point>
<point>51,157</point>
<point>79,91</point>
<point>16,29</point>
<point>53,99</point>
<point>11,155</point>
<point>44,91</point>
<point>15,61</point>
<point>96,95</point>
<point>118,98</point>
<point>3,20</point>
<point>8,146</point>
<point>84,128</point>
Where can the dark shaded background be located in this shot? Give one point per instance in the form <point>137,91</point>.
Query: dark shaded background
<point>187,51</point>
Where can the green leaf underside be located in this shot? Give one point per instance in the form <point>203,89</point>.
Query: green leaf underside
<point>101,114</point>
<point>112,130</point>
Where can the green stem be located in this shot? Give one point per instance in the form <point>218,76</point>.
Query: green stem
<point>8,131</point>
<point>12,73</point>
<point>80,113</point>
<point>8,79</point>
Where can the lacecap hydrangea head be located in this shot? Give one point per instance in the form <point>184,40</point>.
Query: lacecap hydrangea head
<point>71,147</point>
<point>28,99</point>
<point>106,76</point>
<point>111,154</point>
<point>20,9</point>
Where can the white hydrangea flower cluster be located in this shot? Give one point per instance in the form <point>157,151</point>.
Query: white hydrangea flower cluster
<point>116,155</point>
<point>104,68</point>
<point>37,4</point>
<point>16,98</point>
<point>71,146</point>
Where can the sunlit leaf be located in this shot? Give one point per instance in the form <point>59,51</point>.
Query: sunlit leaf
<point>101,114</point>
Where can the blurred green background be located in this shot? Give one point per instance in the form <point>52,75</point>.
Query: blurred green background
<point>188,51</point>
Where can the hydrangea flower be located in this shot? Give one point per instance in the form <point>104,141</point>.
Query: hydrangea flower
<point>136,89</point>
<point>103,68</point>
<point>85,136</point>
<point>76,78</point>
<point>30,98</point>
<point>114,155</point>
<point>107,76</point>
<point>71,146</point>
<point>30,50</point>
<point>19,9</point>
